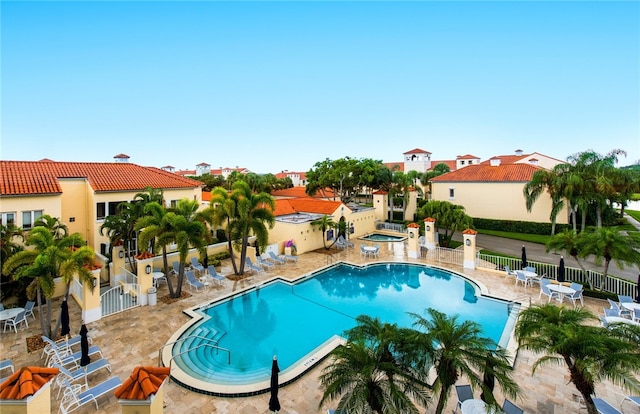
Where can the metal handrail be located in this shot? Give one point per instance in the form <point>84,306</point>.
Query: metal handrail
<point>196,347</point>
<point>184,339</point>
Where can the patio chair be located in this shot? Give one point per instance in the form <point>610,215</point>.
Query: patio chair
<point>604,407</point>
<point>193,282</point>
<point>621,311</point>
<point>363,252</point>
<point>264,263</point>
<point>464,393</point>
<point>510,408</point>
<point>63,346</point>
<point>544,289</point>
<point>197,266</point>
<point>636,315</point>
<point>175,268</point>
<point>28,309</point>
<point>625,299</point>
<point>603,321</point>
<point>77,395</point>
<point>577,295</point>
<point>78,373</point>
<point>520,277</point>
<point>252,267</point>
<point>633,399</point>
<point>276,259</point>
<point>215,276</point>
<point>14,322</point>
<point>341,243</point>
<point>610,312</point>
<point>530,269</point>
<point>508,271</point>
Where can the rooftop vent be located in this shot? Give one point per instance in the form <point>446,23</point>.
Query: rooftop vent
<point>121,158</point>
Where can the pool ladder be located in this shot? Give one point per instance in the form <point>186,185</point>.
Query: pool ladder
<point>214,346</point>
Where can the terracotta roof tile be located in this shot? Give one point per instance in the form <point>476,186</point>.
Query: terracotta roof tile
<point>305,205</point>
<point>449,163</point>
<point>29,177</point>
<point>25,382</point>
<point>466,157</point>
<point>143,382</point>
<point>505,159</point>
<point>301,192</point>
<point>417,151</point>
<point>488,173</point>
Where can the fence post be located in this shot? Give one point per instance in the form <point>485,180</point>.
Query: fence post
<point>414,231</point>
<point>469,238</point>
<point>430,232</point>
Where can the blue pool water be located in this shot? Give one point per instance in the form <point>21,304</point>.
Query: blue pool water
<point>292,320</point>
<point>379,237</point>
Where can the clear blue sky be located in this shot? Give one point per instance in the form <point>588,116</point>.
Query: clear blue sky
<point>281,85</point>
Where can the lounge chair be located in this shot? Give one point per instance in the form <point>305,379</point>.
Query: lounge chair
<point>604,407</point>
<point>193,282</point>
<point>28,309</point>
<point>78,373</point>
<point>196,265</point>
<point>289,257</point>
<point>64,346</point>
<point>175,268</point>
<point>510,408</point>
<point>252,267</point>
<point>264,263</point>
<point>464,393</point>
<point>77,395</point>
<point>215,276</point>
<point>610,312</point>
<point>276,259</point>
<point>621,311</point>
<point>60,357</point>
<point>6,364</point>
<point>16,321</point>
<point>341,243</point>
<point>633,399</point>
<point>625,298</point>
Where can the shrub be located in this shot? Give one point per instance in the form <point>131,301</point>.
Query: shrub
<point>526,227</point>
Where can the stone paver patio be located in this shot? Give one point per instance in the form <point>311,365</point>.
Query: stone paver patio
<point>134,337</point>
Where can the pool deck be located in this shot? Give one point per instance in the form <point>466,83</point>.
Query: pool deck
<point>134,338</point>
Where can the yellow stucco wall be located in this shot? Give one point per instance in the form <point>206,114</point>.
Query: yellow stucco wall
<point>77,198</point>
<point>502,201</point>
<point>49,204</point>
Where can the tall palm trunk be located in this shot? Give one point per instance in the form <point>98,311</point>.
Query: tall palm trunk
<point>165,262</point>
<point>442,399</point>
<point>583,386</point>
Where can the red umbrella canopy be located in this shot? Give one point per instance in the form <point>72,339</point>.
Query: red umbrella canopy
<point>25,382</point>
<point>143,382</point>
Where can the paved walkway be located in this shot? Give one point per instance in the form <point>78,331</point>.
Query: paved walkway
<point>133,338</point>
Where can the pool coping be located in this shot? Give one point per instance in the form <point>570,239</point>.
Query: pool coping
<point>299,368</point>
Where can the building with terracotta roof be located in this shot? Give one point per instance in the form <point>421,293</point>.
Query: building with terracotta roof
<point>297,192</point>
<point>298,178</point>
<point>81,194</point>
<point>494,190</point>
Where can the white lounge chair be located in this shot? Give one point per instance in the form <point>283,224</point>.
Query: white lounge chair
<point>604,407</point>
<point>77,395</point>
<point>276,259</point>
<point>217,278</point>
<point>63,346</point>
<point>289,257</point>
<point>78,373</point>
<point>193,282</point>
<point>264,263</point>
<point>251,266</point>
<point>62,355</point>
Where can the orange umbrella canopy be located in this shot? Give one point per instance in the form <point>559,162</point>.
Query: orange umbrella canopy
<point>142,383</point>
<point>25,382</point>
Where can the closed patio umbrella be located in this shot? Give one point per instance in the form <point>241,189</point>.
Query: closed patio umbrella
<point>561,270</point>
<point>64,318</point>
<point>524,257</point>
<point>274,403</point>
<point>85,359</point>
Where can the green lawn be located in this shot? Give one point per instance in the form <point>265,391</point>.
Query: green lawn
<point>633,213</point>
<point>533,238</point>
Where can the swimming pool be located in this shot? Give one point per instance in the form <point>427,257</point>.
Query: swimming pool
<point>302,322</point>
<point>381,237</point>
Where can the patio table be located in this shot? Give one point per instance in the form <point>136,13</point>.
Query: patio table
<point>561,290</point>
<point>10,313</point>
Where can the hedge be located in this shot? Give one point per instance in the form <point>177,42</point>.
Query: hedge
<point>527,227</point>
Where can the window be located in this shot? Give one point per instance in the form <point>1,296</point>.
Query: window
<point>174,203</point>
<point>29,217</point>
<point>462,162</point>
<point>452,193</point>
<point>101,211</point>
<point>470,162</point>
<point>113,207</point>
<point>8,219</point>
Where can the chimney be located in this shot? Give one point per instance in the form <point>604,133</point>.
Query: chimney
<point>121,158</point>
<point>519,152</point>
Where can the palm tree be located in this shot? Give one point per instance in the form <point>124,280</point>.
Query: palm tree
<point>253,213</point>
<point>451,217</point>
<point>187,231</point>
<point>368,374</point>
<point>224,209</point>
<point>591,353</point>
<point>610,244</point>
<point>47,259</point>
<point>323,224</point>
<point>155,226</point>
<point>8,236</point>
<point>57,228</point>
<point>456,349</point>
<point>569,242</point>
<point>545,181</point>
